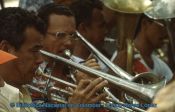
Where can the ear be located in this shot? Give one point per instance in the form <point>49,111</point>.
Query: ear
<point>5,46</point>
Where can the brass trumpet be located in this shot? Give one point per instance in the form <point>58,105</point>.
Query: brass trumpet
<point>128,6</point>
<point>56,98</point>
<point>149,77</point>
<point>143,92</point>
<point>116,69</point>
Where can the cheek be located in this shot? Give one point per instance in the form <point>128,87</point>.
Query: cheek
<point>25,66</point>
<point>50,45</point>
<point>95,35</point>
<point>57,46</point>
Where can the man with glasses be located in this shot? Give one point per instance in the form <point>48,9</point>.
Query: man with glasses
<point>60,37</point>
<point>151,36</point>
<point>21,34</point>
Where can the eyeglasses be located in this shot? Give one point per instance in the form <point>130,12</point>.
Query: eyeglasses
<point>63,35</point>
<point>160,23</point>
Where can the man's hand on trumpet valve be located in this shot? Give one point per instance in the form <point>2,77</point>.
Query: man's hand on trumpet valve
<point>92,63</point>
<point>85,93</point>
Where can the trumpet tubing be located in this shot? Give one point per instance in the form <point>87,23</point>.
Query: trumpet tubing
<point>40,72</point>
<point>145,93</point>
<point>117,70</point>
<point>110,99</point>
<point>54,97</point>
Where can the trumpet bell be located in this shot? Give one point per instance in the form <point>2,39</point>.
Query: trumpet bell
<point>128,6</point>
<point>148,80</point>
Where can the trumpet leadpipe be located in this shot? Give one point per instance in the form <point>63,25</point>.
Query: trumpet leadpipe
<point>58,80</point>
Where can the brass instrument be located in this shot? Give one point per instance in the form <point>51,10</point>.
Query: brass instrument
<point>155,9</point>
<point>56,98</point>
<point>128,6</point>
<point>143,92</point>
<point>165,10</point>
<point>162,9</point>
<point>117,70</point>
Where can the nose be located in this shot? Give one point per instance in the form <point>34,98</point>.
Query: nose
<point>69,43</point>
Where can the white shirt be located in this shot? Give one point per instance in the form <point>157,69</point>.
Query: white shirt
<point>8,94</point>
<point>159,67</point>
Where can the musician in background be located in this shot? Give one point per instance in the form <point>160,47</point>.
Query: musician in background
<point>151,36</point>
<point>91,24</point>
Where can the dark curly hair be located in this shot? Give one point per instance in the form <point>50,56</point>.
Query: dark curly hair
<point>13,23</point>
<point>45,11</point>
<point>83,10</point>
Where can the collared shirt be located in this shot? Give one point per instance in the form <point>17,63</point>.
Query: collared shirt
<point>10,95</point>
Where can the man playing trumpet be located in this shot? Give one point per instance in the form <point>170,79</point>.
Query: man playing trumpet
<point>21,34</point>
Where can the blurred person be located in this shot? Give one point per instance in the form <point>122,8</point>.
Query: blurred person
<point>34,5</point>
<point>151,36</point>
<point>111,39</point>
<point>164,99</point>
<point>90,24</point>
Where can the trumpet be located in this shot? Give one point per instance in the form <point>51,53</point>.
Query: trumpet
<point>139,78</point>
<point>56,98</point>
<point>119,72</point>
<point>143,92</point>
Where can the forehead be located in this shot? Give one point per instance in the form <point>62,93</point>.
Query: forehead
<point>32,37</point>
<point>61,23</point>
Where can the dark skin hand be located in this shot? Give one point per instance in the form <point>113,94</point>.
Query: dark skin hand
<point>92,63</point>
<point>85,93</point>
